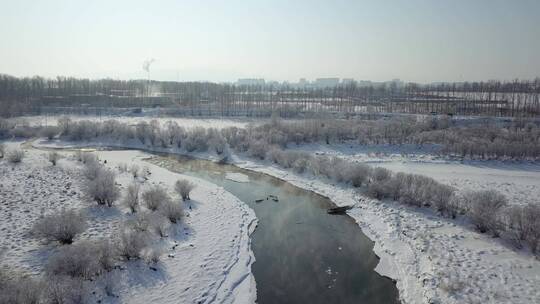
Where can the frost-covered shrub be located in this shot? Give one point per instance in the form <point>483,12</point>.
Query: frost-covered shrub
<point>524,224</point>
<point>381,174</point>
<point>53,157</point>
<point>455,206</point>
<point>18,289</point>
<point>377,190</point>
<point>62,227</point>
<point>196,140</point>
<point>152,254</point>
<point>531,222</point>
<point>88,158</point>
<point>155,197</point>
<point>84,259</point>
<point>357,174</point>
<point>159,224</point>
<point>134,170</point>
<point>63,289</point>
<point>103,188</point>
<point>300,165</point>
<point>218,143</point>
<point>15,155</point>
<point>2,150</point>
<point>49,132</point>
<point>122,167</point>
<point>131,198</point>
<point>64,124</point>
<point>172,211</point>
<point>130,243</point>
<point>24,132</point>
<point>258,149</point>
<point>140,222</point>
<point>92,169</point>
<point>183,188</point>
<point>484,210</point>
<point>442,195</point>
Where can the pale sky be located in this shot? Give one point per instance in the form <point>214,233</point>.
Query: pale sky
<point>414,40</point>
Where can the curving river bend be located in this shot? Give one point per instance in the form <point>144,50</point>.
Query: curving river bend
<point>303,254</point>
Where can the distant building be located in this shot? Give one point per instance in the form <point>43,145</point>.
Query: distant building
<point>326,82</point>
<point>251,81</point>
<point>347,81</point>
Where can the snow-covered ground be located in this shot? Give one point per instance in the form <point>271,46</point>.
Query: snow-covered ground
<point>186,122</point>
<point>206,259</point>
<point>432,259</point>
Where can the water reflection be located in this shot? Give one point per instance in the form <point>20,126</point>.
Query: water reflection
<point>303,254</point>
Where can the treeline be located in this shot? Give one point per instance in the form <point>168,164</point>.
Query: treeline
<point>519,98</point>
<point>486,140</point>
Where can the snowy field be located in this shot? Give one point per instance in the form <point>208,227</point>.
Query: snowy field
<point>207,258</point>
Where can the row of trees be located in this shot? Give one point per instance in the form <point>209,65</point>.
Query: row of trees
<point>520,140</point>
<point>516,98</point>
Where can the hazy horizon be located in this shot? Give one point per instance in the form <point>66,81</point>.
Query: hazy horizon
<point>418,41</point>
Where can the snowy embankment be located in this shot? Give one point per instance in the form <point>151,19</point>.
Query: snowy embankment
<point>517,180</point>
<point>207,258</point>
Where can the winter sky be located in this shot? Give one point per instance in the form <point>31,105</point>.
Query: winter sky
<point>415,40</point>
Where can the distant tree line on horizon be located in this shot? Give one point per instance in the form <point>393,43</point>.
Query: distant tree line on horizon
<point>37,95</point>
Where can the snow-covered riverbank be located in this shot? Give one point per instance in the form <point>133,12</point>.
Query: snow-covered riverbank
<point>207,259</point>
